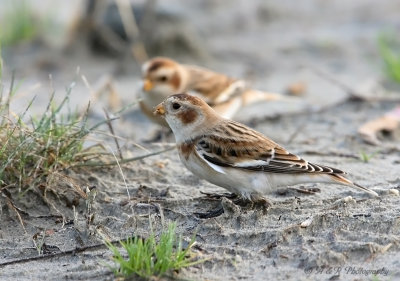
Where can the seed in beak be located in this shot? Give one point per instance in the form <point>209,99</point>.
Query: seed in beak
<point>160,109</point>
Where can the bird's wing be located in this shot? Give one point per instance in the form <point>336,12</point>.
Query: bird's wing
<point>213,87</point>
<point>237,146</point>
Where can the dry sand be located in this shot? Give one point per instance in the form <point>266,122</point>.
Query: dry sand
<point>321,236</point>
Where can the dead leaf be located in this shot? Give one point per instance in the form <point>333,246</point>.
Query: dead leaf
<point>49,232</point>
<point>297,88</point>
<point>388,123</point>
<point>161,164</point>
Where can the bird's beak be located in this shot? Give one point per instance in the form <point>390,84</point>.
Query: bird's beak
<point>160,110</point>
<point>147,86</point>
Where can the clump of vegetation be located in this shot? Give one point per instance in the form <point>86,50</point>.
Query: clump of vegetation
<point>17,23</point>
<point>38,154</point>
<point>365,157</point>
<point>389,48</point>
<point>33,154</point>
<point>1,66</point>
<point>147,258</point>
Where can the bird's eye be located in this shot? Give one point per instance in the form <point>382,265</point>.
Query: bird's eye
<point>176,106</point>
<point>163,78</point>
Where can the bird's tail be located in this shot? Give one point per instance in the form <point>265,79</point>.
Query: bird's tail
<point>254,96</point>
<point>342,180</point>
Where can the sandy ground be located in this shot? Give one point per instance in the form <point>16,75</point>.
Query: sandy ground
<point>273,45</point>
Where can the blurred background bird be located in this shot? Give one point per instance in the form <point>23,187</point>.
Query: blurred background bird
<point>163,77</point>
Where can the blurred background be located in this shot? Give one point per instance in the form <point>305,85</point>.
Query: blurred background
<point>273,44</point>
<point>340,61</point>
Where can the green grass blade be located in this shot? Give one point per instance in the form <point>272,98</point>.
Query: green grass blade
<point>147,258</point>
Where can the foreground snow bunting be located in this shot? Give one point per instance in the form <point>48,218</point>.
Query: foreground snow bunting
<point>164,77</point>
<point>233,156</point>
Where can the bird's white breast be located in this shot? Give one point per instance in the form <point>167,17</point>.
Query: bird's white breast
<point>242,182</point>
<point>246,183</point>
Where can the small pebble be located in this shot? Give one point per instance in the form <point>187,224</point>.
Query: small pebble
<point>307,222</point>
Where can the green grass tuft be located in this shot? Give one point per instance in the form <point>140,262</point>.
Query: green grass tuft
<point>31,155</point>
<point>37,153</point>
<point>389,49</point>
<point>40,154</point>
<point>1,67</point>
<point>147,258</point>
<point>365,157</point>
<point>17,24</point>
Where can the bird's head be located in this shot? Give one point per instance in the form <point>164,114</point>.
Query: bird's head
<point>162,77</point>
<point>188,116</point>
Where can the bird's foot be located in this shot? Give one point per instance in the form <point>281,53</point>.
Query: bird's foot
<point>221,209</point>
<point>263,204</point>
<point>210,214</point>
<point>219,196</point>
<point>258,202</point>
<point>233,206</point>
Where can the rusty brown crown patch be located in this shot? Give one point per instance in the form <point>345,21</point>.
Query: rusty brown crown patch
<point>158,62</point>
<point>192,99</point>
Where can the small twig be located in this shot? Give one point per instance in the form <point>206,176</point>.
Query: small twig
<point>8,101</point>
<point>111,39</point>
<point>295,133</point>
<point>91,193</point>
<point>353,93</point>
<point>127,141</point>
<point>11,204</point>
<point>15,209</point>
<point>123,161</point>
<point>51,204</point>
<point>104,83</point>
<point>113,133</point>
<point>148,19</point>
<point>132,30</point>
<point>362,215</point>
<point>70,181</point>
<point>123,176</point>
<point>60,254</point>
<point>309,191</point>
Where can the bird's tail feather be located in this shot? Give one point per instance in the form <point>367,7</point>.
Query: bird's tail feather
<point>343,180</point>
<point>253,96</point>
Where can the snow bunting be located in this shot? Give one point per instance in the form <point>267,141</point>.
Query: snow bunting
<point>164,77</point>
<point>231,155</point>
